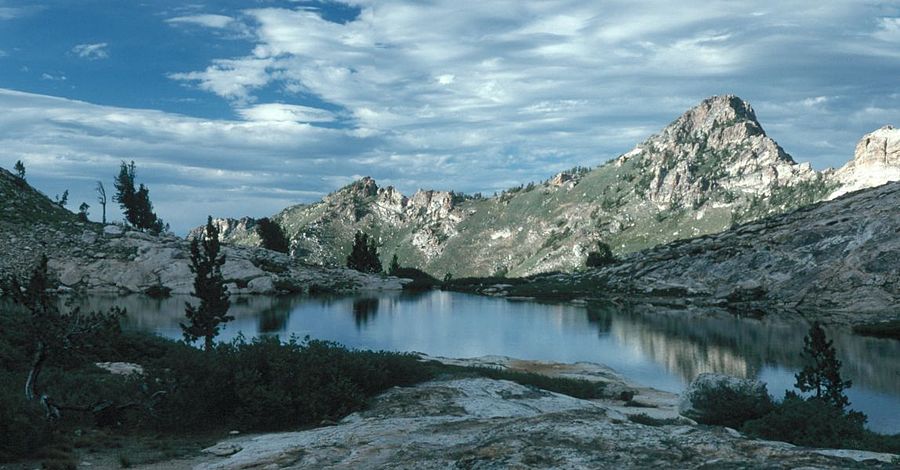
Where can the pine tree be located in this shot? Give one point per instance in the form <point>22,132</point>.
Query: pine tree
<point>822,372</point>
<point>83,212</point>
<point>209,286</point>
<point>61,201</point>
<point>20,169</point>
<point>602,257</point>
<point>394,266</point>
<point>272,235</point>
<point>364,254</point>
<point>135,202</point>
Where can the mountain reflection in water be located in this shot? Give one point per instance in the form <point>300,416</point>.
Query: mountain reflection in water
<point>662,349</point>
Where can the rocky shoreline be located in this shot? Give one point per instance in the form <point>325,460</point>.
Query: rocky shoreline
<point>484,423</point>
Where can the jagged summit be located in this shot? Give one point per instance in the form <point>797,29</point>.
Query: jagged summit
<point>716,112</point>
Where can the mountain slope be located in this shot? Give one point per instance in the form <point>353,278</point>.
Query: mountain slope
<point>711,168</point>
<point>90,257</point>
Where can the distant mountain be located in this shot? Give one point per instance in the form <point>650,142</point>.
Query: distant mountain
<point>710,169</point>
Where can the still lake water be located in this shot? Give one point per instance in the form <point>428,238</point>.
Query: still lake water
<point>664,351</point>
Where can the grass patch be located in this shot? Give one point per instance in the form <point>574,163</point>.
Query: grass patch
<point>647,420</point>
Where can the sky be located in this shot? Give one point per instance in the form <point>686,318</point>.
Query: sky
<point>234,108</point>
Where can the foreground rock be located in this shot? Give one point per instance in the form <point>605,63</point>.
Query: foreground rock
<point>481,423</point>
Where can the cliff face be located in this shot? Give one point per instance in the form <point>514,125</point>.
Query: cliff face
<point>875,162</point>
<point>710,169</point>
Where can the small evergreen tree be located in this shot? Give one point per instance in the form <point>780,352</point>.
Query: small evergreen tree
<point>209,287</point>
<point>272,235</point>
<point>364,255</point>
<point>394,266</point>
<point>822,372</point>
<point>20,169</point>
<point>602,257</point>
<point>62,201</point>
<point>83,212</point>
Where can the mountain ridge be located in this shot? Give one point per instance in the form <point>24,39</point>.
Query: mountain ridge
<point>709,169</point>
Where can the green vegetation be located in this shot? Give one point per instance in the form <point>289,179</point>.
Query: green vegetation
<point>820,420</point>
<point>135,201</point>
<point>364,255</point>
<point>822,372</point>
<point>209,287</point>
<point>20,169</point>
<point>394,266</point>
<point>272,235</point>
<point>602,257</point>
<point>885,329</point>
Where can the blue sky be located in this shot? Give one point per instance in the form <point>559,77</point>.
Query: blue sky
<point>242,108</point>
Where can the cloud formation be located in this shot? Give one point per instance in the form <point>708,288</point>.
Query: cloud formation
<point>91,51</point>
<point>465,95</point>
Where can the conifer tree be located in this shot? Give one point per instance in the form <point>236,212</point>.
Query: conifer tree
<point>394,266</point>
<point>20,169</point>
<point>822,372</point>
<point>364,255</point>
<point>135,201</point>
<point>272,235</point>
<point>209,286</point>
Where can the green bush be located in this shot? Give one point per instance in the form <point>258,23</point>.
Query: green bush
<point>817,423</point>
<point>266,384</point>
<point>22,424</point>
<point>725,406</point>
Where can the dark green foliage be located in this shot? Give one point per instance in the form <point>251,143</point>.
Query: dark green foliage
<point>135,201</point>
<point>61,201</point>
<point>266,384</point>
<point>272,235</point>
<point>647,420</point>
<point>420,279</point>
<point>209,287</point>
<point>23,424</point>
<point>725,406</point>
<point>817,423</point>
<point>83,212</point>
<point>886,329</point>
<point>821,373</point>
<point>364,255</point>
<point>20,169</point>
<point>394,266</point>
<point>602,257</point>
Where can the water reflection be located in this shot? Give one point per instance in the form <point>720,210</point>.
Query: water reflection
<point>662,349</point>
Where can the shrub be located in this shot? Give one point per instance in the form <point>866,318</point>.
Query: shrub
<point>818,423</point>
<point>22,423</point>
<point>602,257</point>
<point>272,235</point>
<point>727,406</point>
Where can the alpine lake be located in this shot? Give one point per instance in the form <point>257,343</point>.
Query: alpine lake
<point>661,349</point>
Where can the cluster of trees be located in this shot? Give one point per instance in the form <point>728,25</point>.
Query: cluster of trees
<point>603,256</point>
<point>135,201</point>
<point>272,235</point>
<point>364,255</point>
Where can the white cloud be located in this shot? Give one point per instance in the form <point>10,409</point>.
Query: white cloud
<point>47,76</point>
<point>888,30</point>
<point>278,112</point>
<point>91,51</point>
<point>207,20</point>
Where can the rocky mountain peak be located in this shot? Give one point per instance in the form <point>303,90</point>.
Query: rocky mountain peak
<point>876,161</point>
<point>716,113</point>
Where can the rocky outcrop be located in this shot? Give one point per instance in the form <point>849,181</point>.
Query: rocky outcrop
<point>836,261</point>
<point>482,423</point>
<point>243,228</point>
<point>711,168</point>
<point>89,257</point>
<point>875,162</point>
